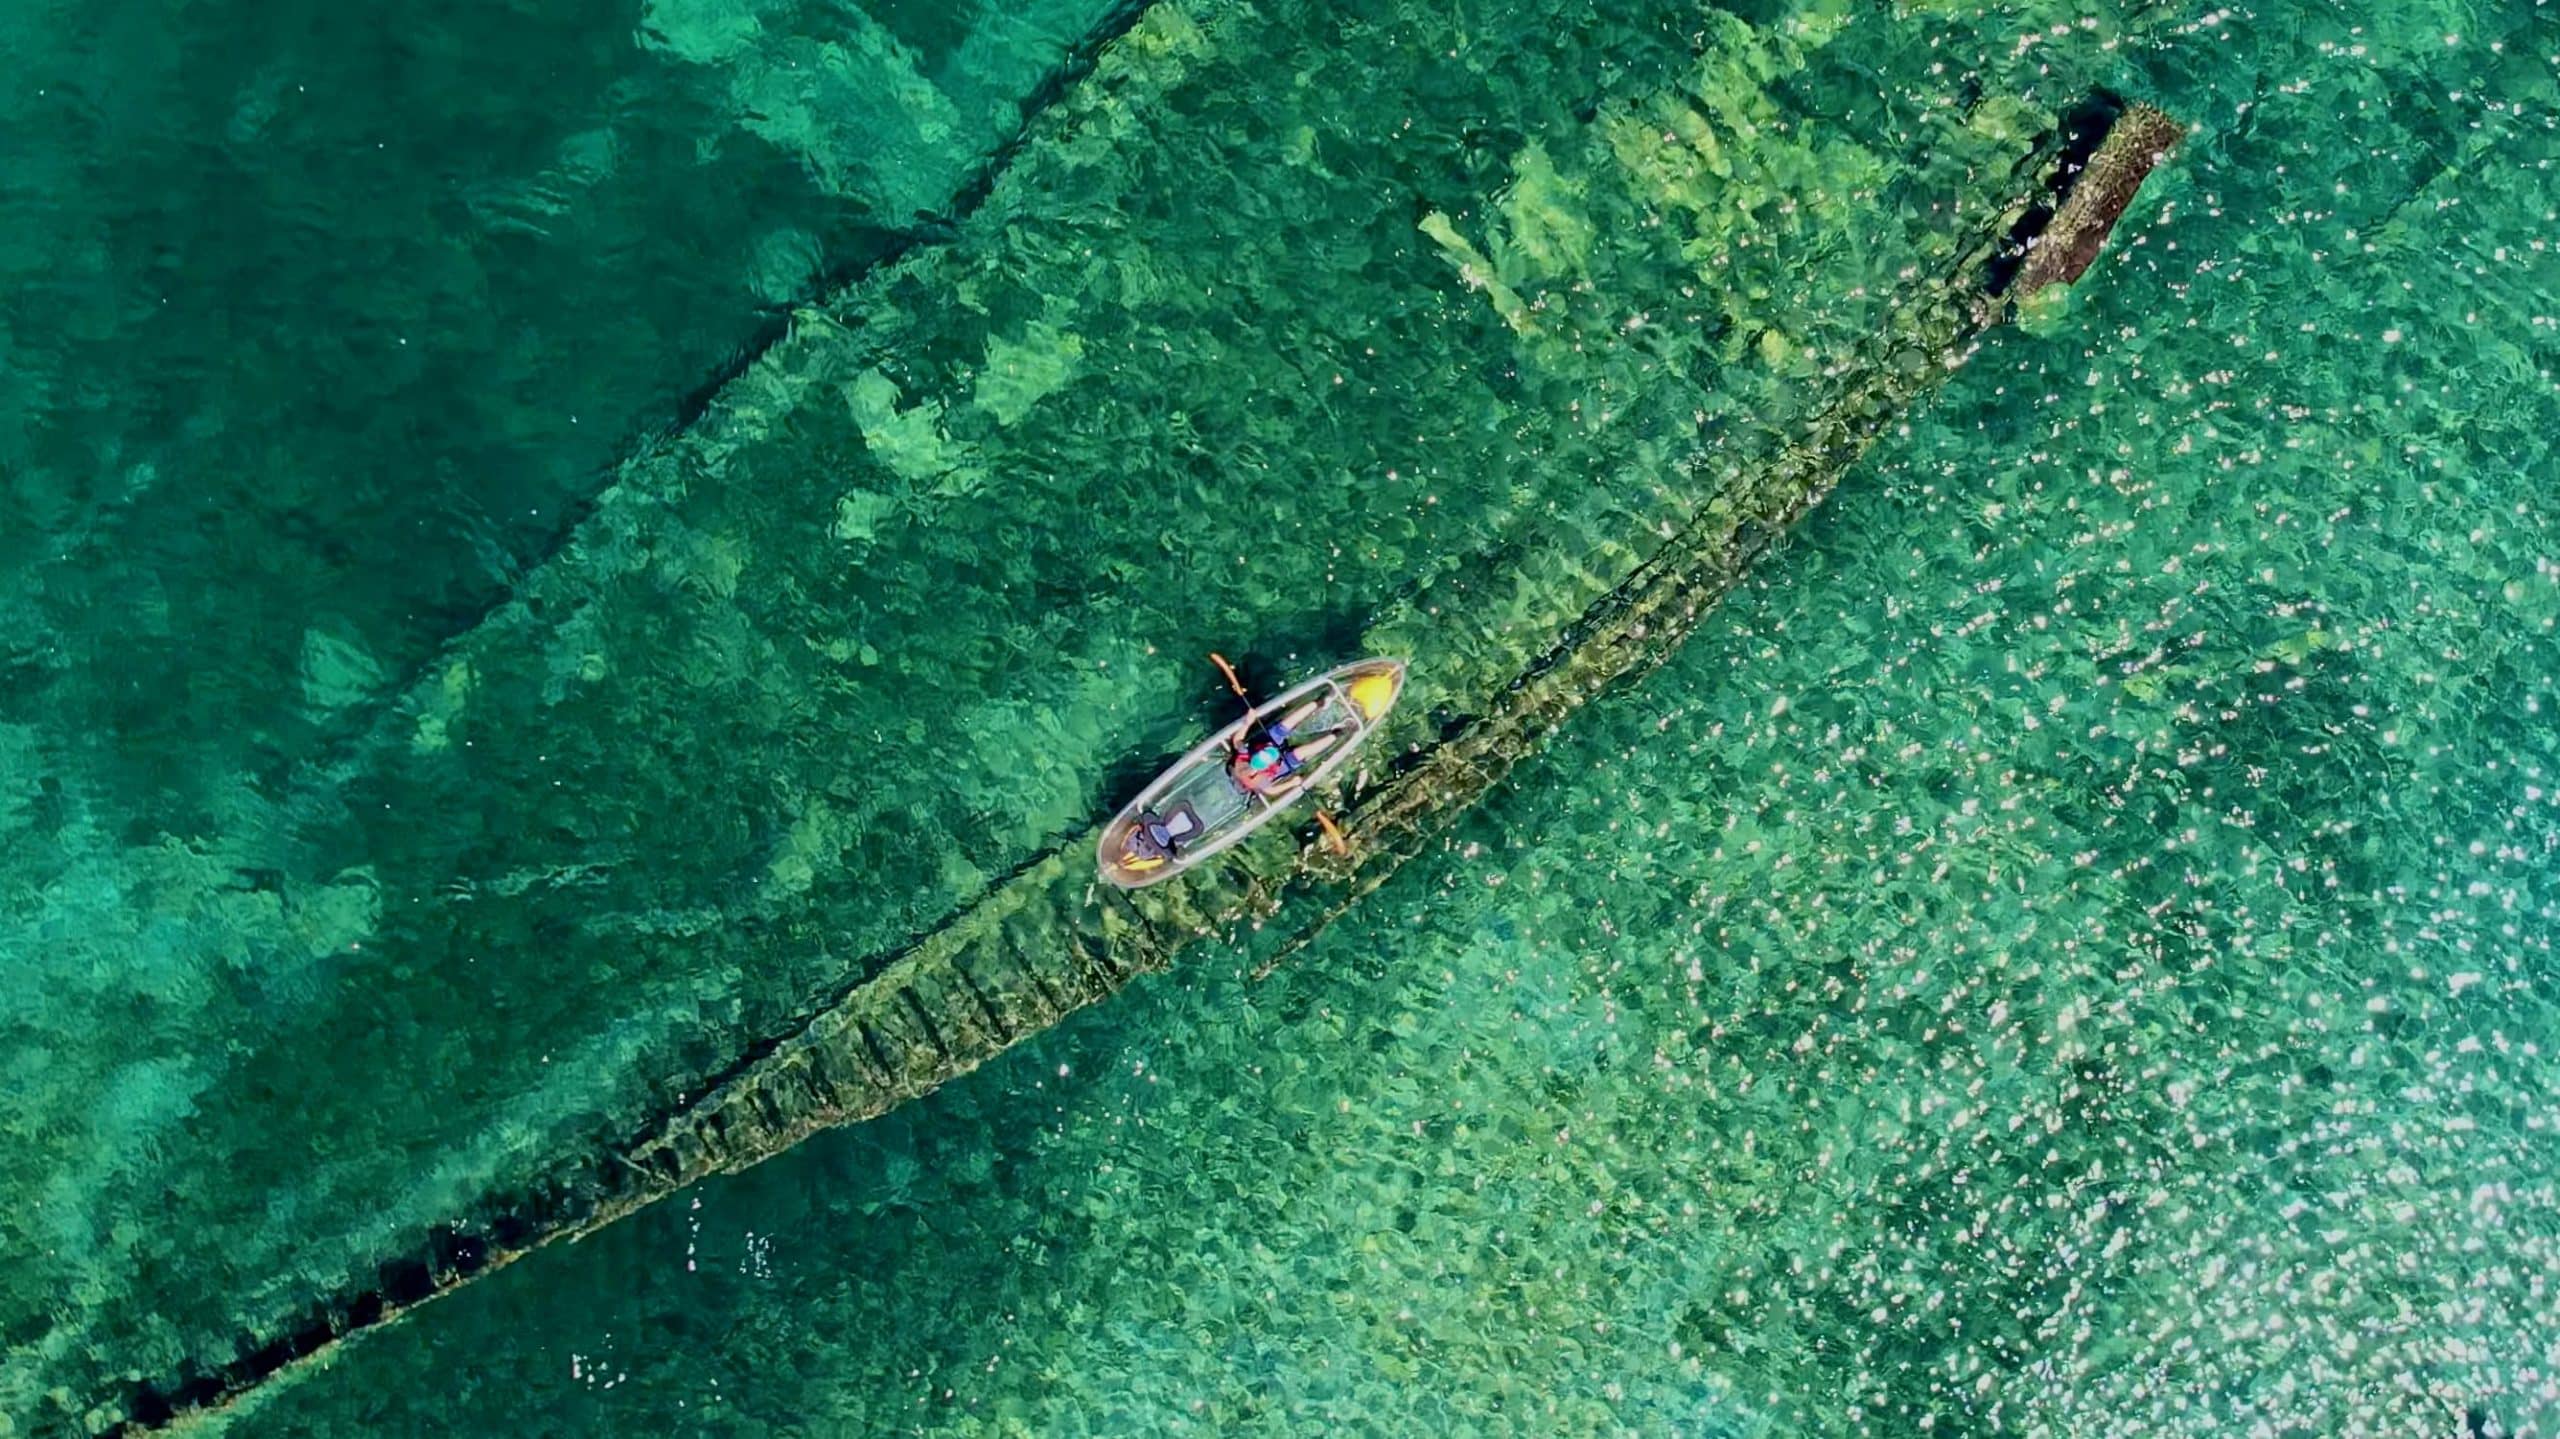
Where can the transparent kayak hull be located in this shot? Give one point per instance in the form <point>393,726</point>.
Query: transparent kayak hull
<point>1210,811</point>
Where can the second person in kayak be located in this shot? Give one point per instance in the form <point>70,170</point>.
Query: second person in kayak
<point>1268,755</point>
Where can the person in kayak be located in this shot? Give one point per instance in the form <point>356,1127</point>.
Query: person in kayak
<point>1268,754</point>
<point>1156,840</point>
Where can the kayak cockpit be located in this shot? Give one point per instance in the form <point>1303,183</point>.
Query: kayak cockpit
<point>1214,797</point>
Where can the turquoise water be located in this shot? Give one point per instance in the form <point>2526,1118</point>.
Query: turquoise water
<point>318,339</point>
<point>318,333</point>
<point>2066,951</point>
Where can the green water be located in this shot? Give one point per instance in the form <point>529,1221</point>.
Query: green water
<point>316,337</point>
<point>318,331</point>
<point>2066,952</point>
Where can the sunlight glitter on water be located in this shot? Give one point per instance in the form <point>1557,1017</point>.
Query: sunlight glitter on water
<point>2063,953</point>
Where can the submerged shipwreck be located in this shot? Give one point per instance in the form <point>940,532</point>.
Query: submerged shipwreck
<point>1047,938</point>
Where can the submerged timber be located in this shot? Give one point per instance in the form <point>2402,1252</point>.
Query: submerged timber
<point>1049,939</point>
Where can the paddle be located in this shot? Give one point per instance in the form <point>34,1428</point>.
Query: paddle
<point>1332,831</point>
<point>1237,685</point>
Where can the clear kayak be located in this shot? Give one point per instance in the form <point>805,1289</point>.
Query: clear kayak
<point>1215,796</point>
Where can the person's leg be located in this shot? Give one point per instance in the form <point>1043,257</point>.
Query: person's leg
<point>1315,744</point>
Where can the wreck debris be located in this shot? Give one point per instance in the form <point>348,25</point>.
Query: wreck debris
<point>2139,140</point>
<point>1050,939</point>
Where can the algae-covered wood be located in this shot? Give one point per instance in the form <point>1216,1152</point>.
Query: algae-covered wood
<point>1579,424</point>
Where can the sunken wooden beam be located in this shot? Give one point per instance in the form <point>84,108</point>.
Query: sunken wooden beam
<point>2096,198</point>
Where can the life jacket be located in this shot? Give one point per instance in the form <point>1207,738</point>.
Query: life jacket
<point>1270,761</point>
